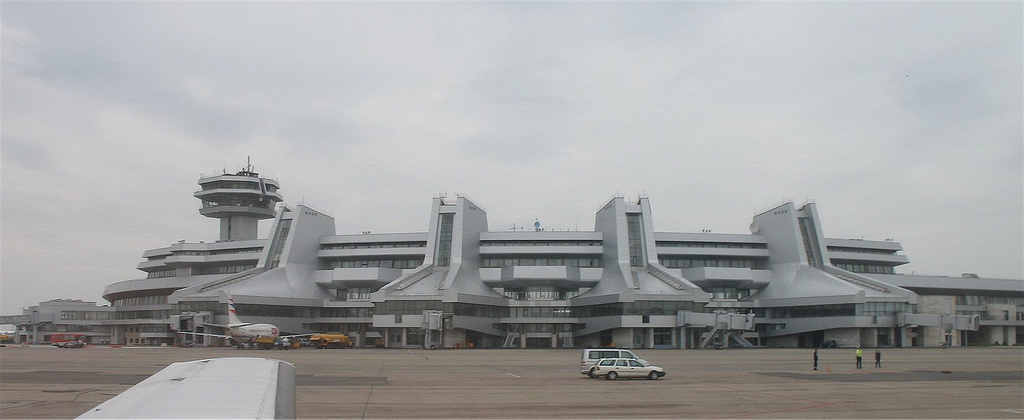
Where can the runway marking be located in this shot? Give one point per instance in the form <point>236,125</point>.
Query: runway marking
<point>509,374</point>
<point>1005,410</point>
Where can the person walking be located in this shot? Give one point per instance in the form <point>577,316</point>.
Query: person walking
<point>815,359</point>
<point>878,358</point>
<point>860,354</point>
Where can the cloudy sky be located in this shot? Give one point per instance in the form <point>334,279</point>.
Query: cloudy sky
<point>901,121</point>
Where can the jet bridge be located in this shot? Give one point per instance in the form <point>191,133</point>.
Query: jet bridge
<point>191,327</point>
<point>948,323</point>
<point>435,323</point>
<point>724,327</point>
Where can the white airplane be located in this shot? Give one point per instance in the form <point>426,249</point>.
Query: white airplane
<point>243,333</point>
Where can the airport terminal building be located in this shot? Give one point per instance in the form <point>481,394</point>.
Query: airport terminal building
<point>458,283</point>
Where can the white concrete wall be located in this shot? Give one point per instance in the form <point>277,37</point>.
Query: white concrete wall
<point>937,305</point>
<point>452,337</point>
<point>845,337</point>
<point>784,341</point>
<point>869,337</point>
<point>623,337</point>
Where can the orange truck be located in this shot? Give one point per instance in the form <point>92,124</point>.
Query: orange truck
<point>330,341</point>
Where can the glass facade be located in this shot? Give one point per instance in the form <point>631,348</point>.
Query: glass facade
<point>407,307</point>
<point>355,293</point>
<point>446,225</point>
<point>810,311</point>
<point>884,308</point>
<point>866,268</point>
<point>810,242</point>
<point>86,315</point>
<point>540,261</point>
<point>634,229</point>
<point>663,337</point>
<point>733,245</point>
<point>162,274</point>
<point>279,241</point>
<point>141,300</point>
<point>346,312</point>
<point>376,245</point>
<point>670,262</point>
<point>540,293</point>
<point>222,269</point>
<point>988,300</point>
<point>728,293</point>
<point>373,263</point>
<point>541,312</point>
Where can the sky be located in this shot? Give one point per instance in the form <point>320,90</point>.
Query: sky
<point>901,121</point>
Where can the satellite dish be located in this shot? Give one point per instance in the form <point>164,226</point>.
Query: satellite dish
<point>754,228</point>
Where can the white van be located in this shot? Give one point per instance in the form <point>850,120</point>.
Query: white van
<point>591,356</point>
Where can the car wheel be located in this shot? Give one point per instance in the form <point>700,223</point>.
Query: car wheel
<point>653,375</point>
<point>591,373</point>
<point>611,376</point>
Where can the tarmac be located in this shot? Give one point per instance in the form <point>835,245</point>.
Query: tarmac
<point>960,382</point>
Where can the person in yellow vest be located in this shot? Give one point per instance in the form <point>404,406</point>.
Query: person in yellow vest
<point>860,355</point>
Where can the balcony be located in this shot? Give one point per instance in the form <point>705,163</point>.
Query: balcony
<point>717,277</point>
<point>364,276</point>
<point>552,276</point>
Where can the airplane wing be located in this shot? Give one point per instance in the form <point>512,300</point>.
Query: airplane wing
<point>259,388</point>
<point>205,334</point>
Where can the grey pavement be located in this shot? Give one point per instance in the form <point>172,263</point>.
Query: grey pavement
<point>975,382</point>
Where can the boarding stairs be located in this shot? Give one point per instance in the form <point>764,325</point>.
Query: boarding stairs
<point>565,340</point>
<point>709,337</point>
<point>738,340</point>
<point>512,340</point>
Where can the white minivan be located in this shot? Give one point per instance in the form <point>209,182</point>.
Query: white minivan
<point>591,356</point>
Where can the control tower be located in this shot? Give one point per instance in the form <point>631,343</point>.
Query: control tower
<point>239,201</point>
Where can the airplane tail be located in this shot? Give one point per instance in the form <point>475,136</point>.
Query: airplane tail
<point>232,313</point>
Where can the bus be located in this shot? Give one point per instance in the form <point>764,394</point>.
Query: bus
<point>68,340</point>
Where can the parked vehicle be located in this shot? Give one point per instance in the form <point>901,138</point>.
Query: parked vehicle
<point>589,357</point>
<point>828,344</point>
<point>285,343</point>
<point>68,340</point>
<point>612,369</point>
<point>72,345</point>
<point>330,341</point>
<point>262,343</point>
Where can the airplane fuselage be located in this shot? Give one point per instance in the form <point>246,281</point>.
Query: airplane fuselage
<point>247,332</point>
